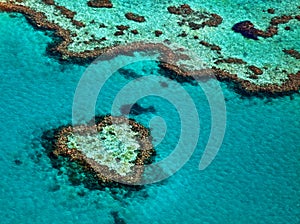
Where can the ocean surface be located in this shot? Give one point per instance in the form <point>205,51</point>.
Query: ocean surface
<point>255,177</point>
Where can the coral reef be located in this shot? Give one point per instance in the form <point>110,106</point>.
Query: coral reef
<point>80,41</point>
<point>113,150</point>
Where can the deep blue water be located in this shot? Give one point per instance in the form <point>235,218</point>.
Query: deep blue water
<point>253,179</point>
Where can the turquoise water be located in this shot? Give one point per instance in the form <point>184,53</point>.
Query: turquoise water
<point>253,179</point>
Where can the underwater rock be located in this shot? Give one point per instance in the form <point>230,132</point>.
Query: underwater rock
<point>18,162</point>
<point>66,12</point>
<point>255,70</point>
<point>136,109</point>
<point>183,34</point>
<point>163,84</point>
<point>117,218</point>
<point>271,10</point>
<point>113,150</point>
<point>129,73</point>
<point>195,19</point>
<point>77,23</point>
<point>135,32</point>
<point>253,77</point>
<point>214,20</point>
<point>49,2</point>
<point>158,33</point>
<point>270,32</point>
<point>119,33</point>
<point>246,28</point>
<point>135,17</point>
<point>231,61</point>
<point>181,10</point>
<point>213,47</point>
<point>280,20</point>
<point>102,25</point>
<point>122,27</point>
<point>100,3</point>
<point>292,52</point>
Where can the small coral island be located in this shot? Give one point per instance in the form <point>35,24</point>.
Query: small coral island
<point>112,151</point>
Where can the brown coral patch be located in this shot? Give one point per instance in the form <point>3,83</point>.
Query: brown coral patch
<point>255,70</point>
<point>135,32</point>
<point>100,4</point>
<point>158,33</point>
<point>68,13</point>
<point>122,27</point>
<point>231,61</point>
<point>102,25</point>
<point>77,23</point>
<point>119,33</point>
<point>280,20</point>
<point>195,19</point>
<point>49,2</point>
<point>213,21</point>
<point>292,52</point>
<point>135,17</point>
<point>183,34</point>
<point>181,10</point>
<point>271,10</point>
<point>213,47</point>
<point>247,29</point>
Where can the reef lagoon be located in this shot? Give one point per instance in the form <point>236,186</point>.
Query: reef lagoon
<point>255,176</point>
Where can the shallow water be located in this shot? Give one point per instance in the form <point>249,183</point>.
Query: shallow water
<point>253,179</point>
